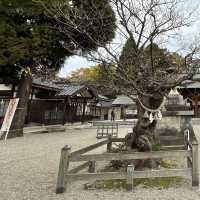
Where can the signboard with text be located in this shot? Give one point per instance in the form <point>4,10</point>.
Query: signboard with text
<point>9,116</point>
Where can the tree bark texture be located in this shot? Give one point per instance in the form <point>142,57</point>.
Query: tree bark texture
<point>23,93</point>
<point>143,135</point>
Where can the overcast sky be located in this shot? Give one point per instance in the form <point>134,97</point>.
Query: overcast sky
<point>73,63</point>
<point>76,62</point>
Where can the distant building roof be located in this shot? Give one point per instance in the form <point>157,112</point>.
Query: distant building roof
<point>191,85</point>
<point>70,90</point>
<point>103,97</point>
<point>123,100</point>
<point>40,82</point>
<point>104,104</point>
<point>64,89</point>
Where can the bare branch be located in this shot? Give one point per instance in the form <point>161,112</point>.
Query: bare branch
<point>141,22</point>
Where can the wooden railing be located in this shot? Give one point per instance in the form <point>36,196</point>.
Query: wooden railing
<point>106,130</point>
<point>192,143</point>
<point>66,176</point>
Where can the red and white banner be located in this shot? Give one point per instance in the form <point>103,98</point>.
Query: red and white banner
<point>10,112</point>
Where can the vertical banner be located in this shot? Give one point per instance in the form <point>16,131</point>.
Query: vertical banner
<point>9,116</point>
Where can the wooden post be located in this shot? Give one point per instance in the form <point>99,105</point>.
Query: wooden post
<point>29,107</point>
<point>196,107</point>
<point>189,162</point>
<point>63,168</point>
<point>112,134</point>
<point>129,179</point>
<point>117,130</point>
<point>97,131</point>
<point>92,167</point>
<point>83,114</point>
<point>65,111</point>
<point>195,167</point>
<point>109,145</point>
<point>100,111</point>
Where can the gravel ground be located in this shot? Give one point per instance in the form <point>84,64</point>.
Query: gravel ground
<point>29,166</point>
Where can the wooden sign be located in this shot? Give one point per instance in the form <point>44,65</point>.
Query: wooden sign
<point>9,116</point>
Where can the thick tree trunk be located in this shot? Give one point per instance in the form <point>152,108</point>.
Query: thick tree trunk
<point>23,94</point>
<point>143,136</point>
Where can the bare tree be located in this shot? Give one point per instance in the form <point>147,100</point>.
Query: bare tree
<point>141,23</point>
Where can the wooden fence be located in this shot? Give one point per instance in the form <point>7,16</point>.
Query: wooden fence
<point>106,130</point>
<point>45,111</point>
<point>66,176</point>
<point>3,107</point>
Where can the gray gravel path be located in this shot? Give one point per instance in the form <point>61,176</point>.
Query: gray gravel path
<point>29,166</point>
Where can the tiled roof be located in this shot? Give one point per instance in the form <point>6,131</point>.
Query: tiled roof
<point>101,97</point>
<point>123,100</point>
<point>46,83</point>
<point>190,85</point>
<point>104,104</point>
<point>70,90</point>
<point>63,89</point>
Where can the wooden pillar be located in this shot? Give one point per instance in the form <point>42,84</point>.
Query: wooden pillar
<point>129,179</point>
<point>63,168</point>
<point>64,111</point>
<point>100,111</point>
<point>109,145</point>
<point>71,111</point>
<point>12,91</point>
<point>195,167</point>
<point>122,112</point>
<point>29,107</point>
<point>196,106</point>
<point>75,109</point>
<point>83,114</point>
<point>95,111</point>
<point>117,130</point>
<point>66,105</point>
<point>43,109</point>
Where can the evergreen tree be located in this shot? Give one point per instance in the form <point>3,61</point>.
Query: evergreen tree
<point>31,41</point>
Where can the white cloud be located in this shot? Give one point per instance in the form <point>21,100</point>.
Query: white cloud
<point>173,44</point>
<point>74,63</point>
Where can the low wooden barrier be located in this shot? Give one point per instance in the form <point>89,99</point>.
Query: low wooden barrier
<point>66,176</point>
<point>192,144</point>
<point>105,130</point>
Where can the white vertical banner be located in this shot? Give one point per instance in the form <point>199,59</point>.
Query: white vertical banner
<point>10,112</point>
